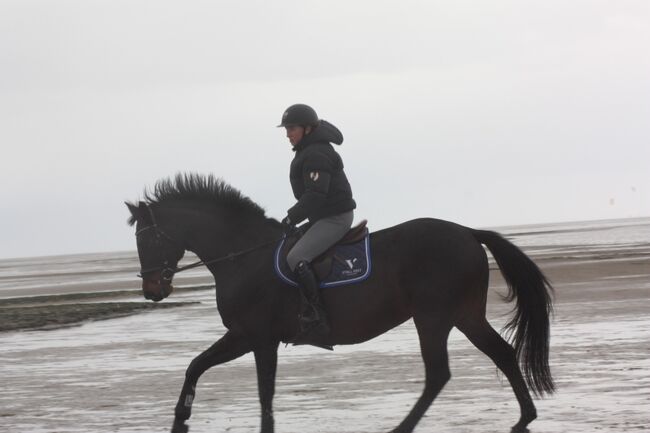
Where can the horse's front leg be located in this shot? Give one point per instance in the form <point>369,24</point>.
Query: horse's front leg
<point>229,347</point>
<point>266,360</point>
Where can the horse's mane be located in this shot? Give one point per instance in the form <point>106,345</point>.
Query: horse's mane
<point>197,187</point>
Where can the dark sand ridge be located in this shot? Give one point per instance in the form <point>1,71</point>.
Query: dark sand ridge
<point>54,311</point>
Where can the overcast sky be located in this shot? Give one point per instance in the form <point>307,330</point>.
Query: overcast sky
<point>482,113</point>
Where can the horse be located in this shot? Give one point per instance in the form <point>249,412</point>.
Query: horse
<point>433,271</point>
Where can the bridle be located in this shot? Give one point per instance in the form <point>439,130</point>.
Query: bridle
<point>167,272</point>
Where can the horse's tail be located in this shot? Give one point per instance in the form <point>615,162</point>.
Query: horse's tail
<point>529,328</point>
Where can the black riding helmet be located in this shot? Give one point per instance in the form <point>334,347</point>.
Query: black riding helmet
<point>299,115</point>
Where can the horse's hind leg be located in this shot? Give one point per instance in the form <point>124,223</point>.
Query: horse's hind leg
<point>433,333</point>
<point>488,341</point>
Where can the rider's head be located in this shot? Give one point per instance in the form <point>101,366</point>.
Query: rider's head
<point>299,115</point>
<point>298,120</point>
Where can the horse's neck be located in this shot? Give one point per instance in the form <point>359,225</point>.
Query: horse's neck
<point>236,280</point>
<point>211,237</point>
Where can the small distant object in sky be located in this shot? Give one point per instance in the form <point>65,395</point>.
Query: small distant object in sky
<point>612,202</point>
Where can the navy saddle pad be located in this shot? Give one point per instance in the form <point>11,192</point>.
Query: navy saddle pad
<point>341,264</point>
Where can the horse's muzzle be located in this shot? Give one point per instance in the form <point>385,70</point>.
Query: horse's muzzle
<point>156,289</point>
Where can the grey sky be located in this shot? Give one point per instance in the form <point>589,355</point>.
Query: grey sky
<point>483,113</point>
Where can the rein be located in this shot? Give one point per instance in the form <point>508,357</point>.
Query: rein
<point>230,256</point>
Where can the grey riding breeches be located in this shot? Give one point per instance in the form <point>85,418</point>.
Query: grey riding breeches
<point>321,235</point>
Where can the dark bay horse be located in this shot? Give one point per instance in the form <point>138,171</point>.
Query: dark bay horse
<point>433,271</point>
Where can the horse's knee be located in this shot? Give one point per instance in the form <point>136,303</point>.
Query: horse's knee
<point>191,370</point>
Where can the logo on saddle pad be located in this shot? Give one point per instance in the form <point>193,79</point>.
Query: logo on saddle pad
<point>342,264</point>
<point>353,268</point>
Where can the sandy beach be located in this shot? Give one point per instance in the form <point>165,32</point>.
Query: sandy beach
<point>124,374</point>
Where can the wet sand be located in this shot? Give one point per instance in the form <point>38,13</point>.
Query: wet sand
<point>125,374</point>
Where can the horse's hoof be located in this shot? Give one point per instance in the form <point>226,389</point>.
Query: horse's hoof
<point>180,427</point>
<point>519,429</point>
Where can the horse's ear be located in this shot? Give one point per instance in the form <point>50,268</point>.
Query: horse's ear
<point>136,211</point>
<point>133,209</point>
<point>139,213</point>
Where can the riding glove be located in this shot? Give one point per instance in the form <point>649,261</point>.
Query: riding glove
<point>287,226</point>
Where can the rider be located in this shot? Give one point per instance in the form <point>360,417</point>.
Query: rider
<point>324,197</point>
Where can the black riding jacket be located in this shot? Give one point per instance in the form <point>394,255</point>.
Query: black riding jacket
<point>317,177</point>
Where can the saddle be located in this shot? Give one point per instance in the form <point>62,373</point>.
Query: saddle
<point>322,265</point>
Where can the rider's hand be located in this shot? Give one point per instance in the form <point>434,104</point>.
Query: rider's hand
<point>287,226</point>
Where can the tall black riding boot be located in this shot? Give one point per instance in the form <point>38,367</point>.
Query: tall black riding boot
<point>313,314</point>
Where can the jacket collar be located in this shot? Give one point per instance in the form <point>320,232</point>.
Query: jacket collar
<point>325,132</point>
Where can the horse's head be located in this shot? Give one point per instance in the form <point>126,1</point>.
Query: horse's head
<point>159,253</point>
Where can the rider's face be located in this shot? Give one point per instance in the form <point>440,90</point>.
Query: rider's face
<point>295,133</point>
